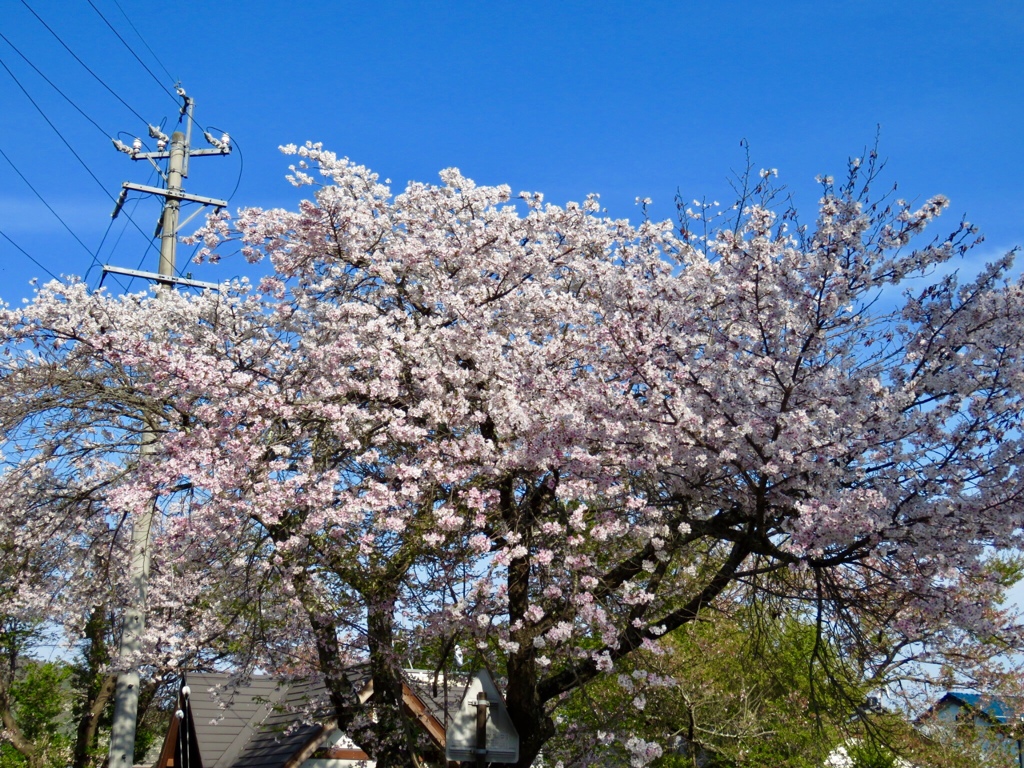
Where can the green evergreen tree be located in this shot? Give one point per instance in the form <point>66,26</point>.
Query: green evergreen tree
<point>39,702</point>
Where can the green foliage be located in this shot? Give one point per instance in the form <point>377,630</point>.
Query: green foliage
<point>963,742</point>
<point>868,754</point>
<point>93,688</point>
<point>10,757</point>
<point>41,700</point>
<point>154,718</point>
<point>732,691</point>
<point>1007,566</point>
<point>50,704</point>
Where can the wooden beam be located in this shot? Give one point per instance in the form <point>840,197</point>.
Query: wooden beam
<point>340,753</point>
<point>414,704</point>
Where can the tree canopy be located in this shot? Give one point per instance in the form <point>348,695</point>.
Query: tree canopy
<point>540,434</point>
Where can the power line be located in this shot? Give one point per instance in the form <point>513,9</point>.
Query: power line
<point>86,66</point>
<point>142,258</point>
<point>132,52</point>
<point>241,160</point>
<point>67,98</point>
<point>48,206</point>
<point>29,256</point>
<point>99,248</point>
<point>72,149</point>
<point>96,262</point>
<point>139,35</point>
<point>56,130</point>
<point>95,256</point>
<point>117,242</point>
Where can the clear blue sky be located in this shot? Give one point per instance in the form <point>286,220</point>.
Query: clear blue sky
<point>625,99</point>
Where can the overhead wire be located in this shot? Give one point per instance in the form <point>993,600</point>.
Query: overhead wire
<point>139,35</point>
<point>117,242</point>
<point>30,257</point>
<point>67,98</point>
<point>93,255</point>
<point>96,261</point>
<point>142,258</point>
<point>55,129</point>
<point>68,145</point>
<point>103,272</point>
<point>182,114</point>
<point>106,233</point>
<point>67,48</point>
<point>241,159</point>
<point>132,52</point>
<point>48,206</point>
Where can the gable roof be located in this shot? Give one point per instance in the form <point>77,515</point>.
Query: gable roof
<point>180,746</point>
<point>268,723</point>
<point>226,717</point>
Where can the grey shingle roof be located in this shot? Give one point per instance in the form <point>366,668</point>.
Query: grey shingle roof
<point>256,724</point>
<point>265,723</point>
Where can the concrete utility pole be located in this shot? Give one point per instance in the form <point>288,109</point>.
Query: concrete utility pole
<point>172,206</point>
<point>481,728</point>
<point>126,694</point>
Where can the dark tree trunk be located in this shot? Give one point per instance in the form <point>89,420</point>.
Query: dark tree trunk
<point>522,697</point>
<point>524,705</point>
<point>12,731</point>
<point>89,722</point>
<point>97,687</point>
<point>325,636</point>
<point>393,738</point>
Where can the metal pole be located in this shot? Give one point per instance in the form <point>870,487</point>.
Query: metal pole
<point>481,729</point>
<point>126,693</point>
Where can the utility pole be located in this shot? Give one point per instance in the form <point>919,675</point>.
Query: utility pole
<point>126,694</point>
<point>481,728</point>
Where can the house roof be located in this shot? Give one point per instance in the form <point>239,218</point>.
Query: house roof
<point>997,710</point>
<point>264,722</point>
<point>442,700</point>
<point>234,719</point>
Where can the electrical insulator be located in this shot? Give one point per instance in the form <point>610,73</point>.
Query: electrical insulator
<point>223,143</point>
<point>156,133</point>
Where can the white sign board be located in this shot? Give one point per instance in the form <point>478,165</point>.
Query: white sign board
<point>502,740</point>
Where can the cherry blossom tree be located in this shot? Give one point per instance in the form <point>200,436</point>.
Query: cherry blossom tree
<point>533,432</point>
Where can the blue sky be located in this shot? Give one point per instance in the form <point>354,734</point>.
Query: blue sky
<point>625,99</point>
<point>621,98</point>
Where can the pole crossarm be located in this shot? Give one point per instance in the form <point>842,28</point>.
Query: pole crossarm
<point>175,194</point>
<point>173,280</point>
<point>165,155</point>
